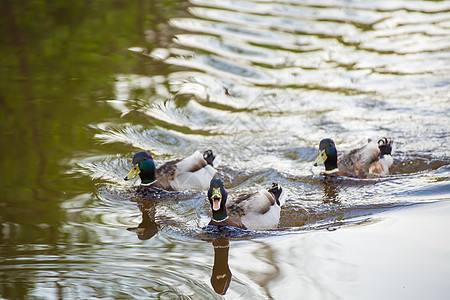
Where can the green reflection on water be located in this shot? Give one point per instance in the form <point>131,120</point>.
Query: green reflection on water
<point>58,64</point>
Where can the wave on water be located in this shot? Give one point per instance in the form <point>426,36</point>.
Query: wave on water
<point>260,83</point>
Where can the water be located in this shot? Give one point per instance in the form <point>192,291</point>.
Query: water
<point>84,85</point>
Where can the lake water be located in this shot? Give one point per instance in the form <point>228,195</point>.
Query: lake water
<point>86,84</point>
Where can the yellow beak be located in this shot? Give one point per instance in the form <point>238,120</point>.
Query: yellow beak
<point>216,197</point>
<point>320,159</point>
<point>133,172</point>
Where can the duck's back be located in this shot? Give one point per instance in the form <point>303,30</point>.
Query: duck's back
<point>357,161</point>
<point>191,172</point>
<point>166,172</point>
<point>257,210</point>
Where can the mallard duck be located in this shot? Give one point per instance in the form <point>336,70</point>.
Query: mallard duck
<point>258,210</point>
<point>192,172</point>
<point>373,158</point>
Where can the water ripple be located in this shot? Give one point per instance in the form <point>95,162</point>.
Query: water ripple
<point>261,83</point>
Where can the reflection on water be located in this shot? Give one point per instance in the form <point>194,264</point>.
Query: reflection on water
<point>221,274</point>
<point>148,227</point>
<point>330,191</point>
<point>258,82</point>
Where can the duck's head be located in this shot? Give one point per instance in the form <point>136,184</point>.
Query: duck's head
<point>217,196</point>
<point>144,166</point>
<point>327,155</point>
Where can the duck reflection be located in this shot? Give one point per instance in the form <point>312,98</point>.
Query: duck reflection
<point>148,227</point>
<point>331,188</point>
<point>221,274</point>
<point>331,193</point>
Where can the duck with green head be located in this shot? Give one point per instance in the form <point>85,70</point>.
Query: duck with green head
<point>256,210</point>
<point>192,172</point>
<point>373,158</point>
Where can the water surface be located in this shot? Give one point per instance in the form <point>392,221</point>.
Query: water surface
<point>85,85</point>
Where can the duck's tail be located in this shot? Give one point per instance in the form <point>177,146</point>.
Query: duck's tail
<point>385,161</point>
<point>209,157</point>
<point>385,146</point>
<point>279,193</point>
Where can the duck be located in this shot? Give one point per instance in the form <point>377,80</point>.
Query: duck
<point>254,211</point>
<point>372,158</point>
<point>192,172</point>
